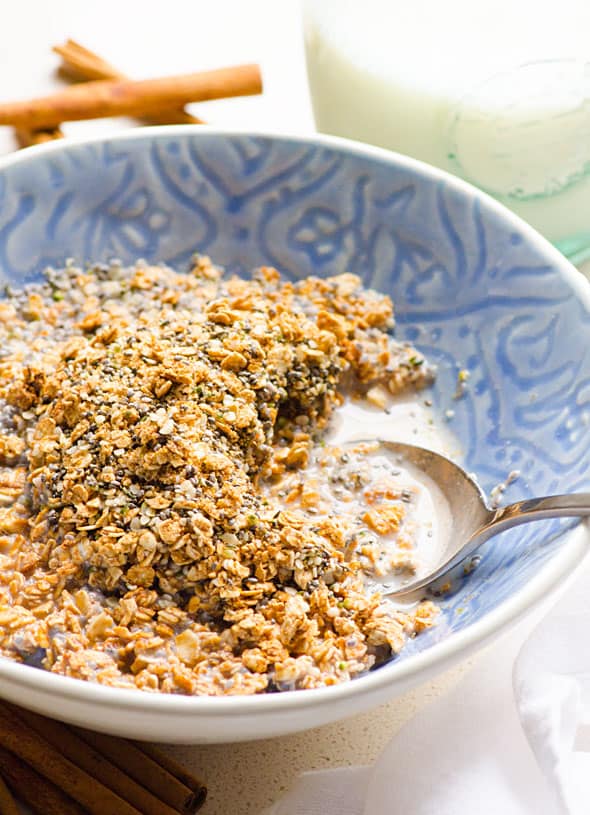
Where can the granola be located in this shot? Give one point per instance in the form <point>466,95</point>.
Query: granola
<point>155,530</point>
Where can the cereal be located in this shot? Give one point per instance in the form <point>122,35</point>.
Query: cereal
<point>150,423</point>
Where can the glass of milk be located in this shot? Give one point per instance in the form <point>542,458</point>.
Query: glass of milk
<point>496,91</point>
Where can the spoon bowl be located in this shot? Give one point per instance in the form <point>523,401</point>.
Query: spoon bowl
<point>473,520</point>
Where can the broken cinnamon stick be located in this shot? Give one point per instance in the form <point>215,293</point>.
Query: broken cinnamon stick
<point>80,64</point>
<point>104,98</point>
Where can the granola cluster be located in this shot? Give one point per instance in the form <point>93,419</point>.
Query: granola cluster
<point>142,414</point>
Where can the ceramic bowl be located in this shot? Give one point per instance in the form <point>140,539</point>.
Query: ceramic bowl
<point>474,288</point>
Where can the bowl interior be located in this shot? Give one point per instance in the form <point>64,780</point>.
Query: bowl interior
<point>474,287</point>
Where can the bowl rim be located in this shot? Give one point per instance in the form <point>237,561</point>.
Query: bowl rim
<point>570,555</point>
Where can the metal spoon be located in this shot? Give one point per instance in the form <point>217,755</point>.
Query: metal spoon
<point>473,521</point>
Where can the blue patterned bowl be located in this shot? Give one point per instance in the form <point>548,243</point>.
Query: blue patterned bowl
<point>474,288</point>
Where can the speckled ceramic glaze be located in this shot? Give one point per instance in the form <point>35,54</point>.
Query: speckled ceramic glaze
<point>474,288</point>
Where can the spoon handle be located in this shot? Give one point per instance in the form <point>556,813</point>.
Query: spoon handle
<point>532,509</point>
<point>535,509</point>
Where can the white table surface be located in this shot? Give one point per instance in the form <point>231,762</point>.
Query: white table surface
<point>152,38</point>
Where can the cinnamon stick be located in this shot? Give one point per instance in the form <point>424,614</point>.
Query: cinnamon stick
<point>39,794</point>
<point>21,740</point>
<point>26,137</point>
<point>91,761</point>
<point>80,64</point>
<point>176,769</point>
<point>7,803</point>
<point>103,98</point>
<point>139,766</point>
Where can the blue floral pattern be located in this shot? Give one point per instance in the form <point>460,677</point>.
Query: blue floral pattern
<point>470,290</point>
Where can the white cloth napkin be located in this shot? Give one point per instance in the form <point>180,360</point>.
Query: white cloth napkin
<point>512,738</point>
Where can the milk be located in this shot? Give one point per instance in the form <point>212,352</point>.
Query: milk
<point>496,91</point>
<point>407,419</point>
